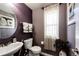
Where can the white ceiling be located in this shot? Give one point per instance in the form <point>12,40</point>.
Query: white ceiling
<point>37,5</point>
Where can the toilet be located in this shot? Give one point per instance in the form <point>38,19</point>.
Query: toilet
<point>33,50</point>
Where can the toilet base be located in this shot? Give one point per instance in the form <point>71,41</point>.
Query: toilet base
<point>32,54</point>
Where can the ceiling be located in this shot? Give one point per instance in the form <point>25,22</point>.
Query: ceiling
<point>37,5</point>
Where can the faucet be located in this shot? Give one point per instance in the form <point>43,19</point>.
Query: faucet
<point>76,50</point>
<point>2,45</point>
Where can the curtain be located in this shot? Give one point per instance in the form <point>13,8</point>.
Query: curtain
<point>51,21</point>
<point>51,24</point>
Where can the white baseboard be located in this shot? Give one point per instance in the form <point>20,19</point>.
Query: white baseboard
<point>46,54</point>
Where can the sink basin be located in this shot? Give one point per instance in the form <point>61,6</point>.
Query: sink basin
<point>10,49</point>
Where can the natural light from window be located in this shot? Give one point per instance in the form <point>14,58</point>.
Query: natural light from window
<point>51,21</point>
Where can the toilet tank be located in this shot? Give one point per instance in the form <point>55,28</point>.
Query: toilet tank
<point>28,43</point>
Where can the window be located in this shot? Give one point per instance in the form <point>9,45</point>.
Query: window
<point>51,21</point>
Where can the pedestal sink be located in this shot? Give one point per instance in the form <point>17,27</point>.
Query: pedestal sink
<point>10,49</point>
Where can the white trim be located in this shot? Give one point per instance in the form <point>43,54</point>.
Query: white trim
<point>46,54</point>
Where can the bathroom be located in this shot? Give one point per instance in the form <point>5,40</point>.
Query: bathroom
<point>27,22</point>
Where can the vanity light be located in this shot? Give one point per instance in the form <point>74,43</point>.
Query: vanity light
<point>11,4</point>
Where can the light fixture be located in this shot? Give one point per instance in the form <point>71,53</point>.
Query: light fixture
<point>11,4</point>
<point>12,1</point>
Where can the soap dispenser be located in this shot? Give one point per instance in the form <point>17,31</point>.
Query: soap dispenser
<point>14,40</point>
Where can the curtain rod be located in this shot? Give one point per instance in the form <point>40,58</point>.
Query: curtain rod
<point>46,6</point>
<point>51,4</point>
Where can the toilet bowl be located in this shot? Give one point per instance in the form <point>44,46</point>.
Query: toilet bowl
<point>34,50</point>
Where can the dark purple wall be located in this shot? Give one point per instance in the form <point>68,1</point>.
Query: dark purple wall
<point>23,14</point>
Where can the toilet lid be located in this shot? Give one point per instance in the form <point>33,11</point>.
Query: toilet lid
<point>35,48</point>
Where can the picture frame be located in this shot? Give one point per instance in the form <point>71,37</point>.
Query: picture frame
<point>70,13</point>
<point>71,10</point>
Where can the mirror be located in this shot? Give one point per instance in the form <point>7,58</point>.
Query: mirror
<point>8,22</point>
